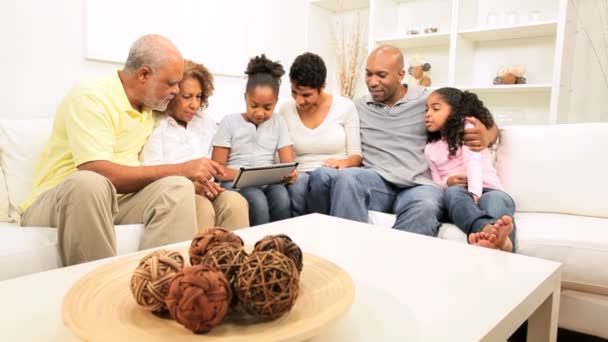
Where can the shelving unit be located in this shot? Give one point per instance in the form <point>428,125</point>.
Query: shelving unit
<point>474,39</point>
<point>419,40</point>
<point>344,5</point>
<point>510,32</point>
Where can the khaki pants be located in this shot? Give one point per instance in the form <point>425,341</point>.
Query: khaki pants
<point>85,207</point>
<point>229,210</point>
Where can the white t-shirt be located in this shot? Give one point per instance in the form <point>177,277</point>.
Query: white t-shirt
<point>251,146</point>
<point>171,143</point>
<point>336,137</point>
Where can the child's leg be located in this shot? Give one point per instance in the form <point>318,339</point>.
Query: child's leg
<point>501,206</point>
<point>464,213</point>
<point>298,193</point>
<point>258,205</point>
<point>278,202</point>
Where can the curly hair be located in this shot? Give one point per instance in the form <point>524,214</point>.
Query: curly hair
<point>463,104</point>
<point>201,73</point>
<point>308,70</point>
<point>261,71</point>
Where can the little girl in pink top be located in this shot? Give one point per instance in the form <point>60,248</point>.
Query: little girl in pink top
<point>474,198</point>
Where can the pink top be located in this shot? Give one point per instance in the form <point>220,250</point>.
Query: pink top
<point>477,166</point>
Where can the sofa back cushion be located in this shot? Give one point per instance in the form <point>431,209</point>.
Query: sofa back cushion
<point>4,204</point>
<point>21,142</point>
<point>556,168</point>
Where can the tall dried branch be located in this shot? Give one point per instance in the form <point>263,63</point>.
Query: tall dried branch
<point>349,46</point>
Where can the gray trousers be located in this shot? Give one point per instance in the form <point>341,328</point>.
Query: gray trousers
<point>84,208</point>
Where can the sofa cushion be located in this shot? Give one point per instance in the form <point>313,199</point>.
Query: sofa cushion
<point>26,250</point>
<point>556,168</point>
<point>4,203</point>
<point>21,142</point>
<point>579,242</point>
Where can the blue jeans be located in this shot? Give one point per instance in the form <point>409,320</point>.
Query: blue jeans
<point>471,217</point>
<point>351,192</point>
<point>267,203</point>
<point>298,192</point>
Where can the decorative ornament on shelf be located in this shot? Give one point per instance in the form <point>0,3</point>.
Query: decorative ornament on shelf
<point>349,45</point>
<point>419,70</point>
<point>514,75</point>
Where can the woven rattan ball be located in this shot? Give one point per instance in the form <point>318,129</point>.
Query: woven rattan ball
<point>283,244</point>
<point>225,257</point>
<point>199,298</point>
<point>267,284</point>
<point>204,240</point>
<point>152,277</point>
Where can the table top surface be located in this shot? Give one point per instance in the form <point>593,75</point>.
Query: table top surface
<point>407,286</point>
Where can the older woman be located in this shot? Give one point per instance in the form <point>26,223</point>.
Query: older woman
<point>184,132</point>
<point>324,129</point>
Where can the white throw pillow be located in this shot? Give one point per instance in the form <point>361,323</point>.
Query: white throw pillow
<point>21,143</point>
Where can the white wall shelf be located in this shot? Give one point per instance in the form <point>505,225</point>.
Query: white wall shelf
<point>418,40</point>
<point>511,32</point>
<point>341,5</point>
<point>508,88</point>
<point>478,37</point>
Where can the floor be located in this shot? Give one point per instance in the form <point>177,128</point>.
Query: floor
<point>563,335</point>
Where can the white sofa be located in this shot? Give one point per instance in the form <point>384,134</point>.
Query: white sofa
<point>554,173</point>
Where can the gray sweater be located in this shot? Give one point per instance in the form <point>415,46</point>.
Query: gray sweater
<point>393,138</point>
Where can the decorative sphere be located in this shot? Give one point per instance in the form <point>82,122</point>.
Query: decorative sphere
<point>204,240</point>
<point>226,258</point>
<point>267,284</point>
<point>152,277</point>
<point>199,298</point>
<point>283,244</point>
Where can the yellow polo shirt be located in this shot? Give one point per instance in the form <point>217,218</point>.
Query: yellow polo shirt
<point>95,121</point>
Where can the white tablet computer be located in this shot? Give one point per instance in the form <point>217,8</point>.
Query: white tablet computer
<point>263,175</point>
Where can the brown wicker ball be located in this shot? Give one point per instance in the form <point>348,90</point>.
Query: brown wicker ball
<point>208,238</point>
<point>267,284</point>
<point>283,244</point>
<point>225,257</point>
<point>199,298</point>
<point>152,277</point>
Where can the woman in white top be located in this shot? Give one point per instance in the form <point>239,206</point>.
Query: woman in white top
<point>184,132</point>
<point>324,129</point>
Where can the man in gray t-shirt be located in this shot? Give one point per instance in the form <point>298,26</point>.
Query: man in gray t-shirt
<point>395,176</point>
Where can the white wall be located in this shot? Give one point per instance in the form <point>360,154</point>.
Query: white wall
<point>43,46</point>
<point>588,91</point>
<point>43,56</point>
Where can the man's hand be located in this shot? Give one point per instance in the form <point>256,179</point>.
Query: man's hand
<point>336,163</point>
<point>478,137</point>
<point>201,170</point>
<point>457,180</point>
<point>208,189</point>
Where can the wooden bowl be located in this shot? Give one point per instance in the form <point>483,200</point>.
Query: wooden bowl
<point>100,307</point>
